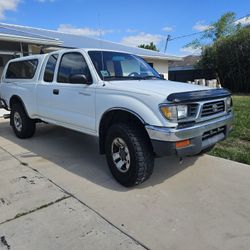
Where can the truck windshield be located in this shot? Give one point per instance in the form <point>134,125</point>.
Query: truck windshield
<point>113,66</point>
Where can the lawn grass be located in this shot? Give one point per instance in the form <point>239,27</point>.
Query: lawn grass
<point>237,146</point>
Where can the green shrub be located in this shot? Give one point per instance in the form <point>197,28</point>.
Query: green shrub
<point>229,57</point>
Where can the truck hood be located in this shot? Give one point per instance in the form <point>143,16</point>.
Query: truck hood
<point>163,88</point>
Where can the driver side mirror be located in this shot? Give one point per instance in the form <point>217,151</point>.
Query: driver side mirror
<point>78,79</point>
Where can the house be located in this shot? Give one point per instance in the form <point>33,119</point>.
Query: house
<point>186,70</point>
<point>17,41</point>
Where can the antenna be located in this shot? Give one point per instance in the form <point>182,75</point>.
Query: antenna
<point>101,45</point>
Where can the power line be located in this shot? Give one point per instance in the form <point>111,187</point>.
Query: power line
<point>211,28</point>
<point>192,34</point>
<point>196,33</point>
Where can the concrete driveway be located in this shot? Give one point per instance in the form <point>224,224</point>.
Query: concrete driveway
<point>202,204</point>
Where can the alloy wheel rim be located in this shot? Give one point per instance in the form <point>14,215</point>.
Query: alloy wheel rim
<point>120,155</point>
<point>18,121</point>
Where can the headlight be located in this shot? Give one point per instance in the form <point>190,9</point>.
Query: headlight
<point>174,112</point>
<point>229,103</point>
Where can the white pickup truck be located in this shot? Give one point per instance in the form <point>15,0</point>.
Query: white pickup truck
<point>119,98</point>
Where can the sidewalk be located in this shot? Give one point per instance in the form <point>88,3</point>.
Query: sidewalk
<point>37,214</point>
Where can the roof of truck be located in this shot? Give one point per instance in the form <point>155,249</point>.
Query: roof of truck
<point>26,58</point>
<point>38,56</point>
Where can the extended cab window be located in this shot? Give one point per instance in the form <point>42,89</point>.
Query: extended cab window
<point>25,69</point>
<point>73,64</point>
<point>50,68</point>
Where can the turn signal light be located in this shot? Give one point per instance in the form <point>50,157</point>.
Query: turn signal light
<point>182,144</point>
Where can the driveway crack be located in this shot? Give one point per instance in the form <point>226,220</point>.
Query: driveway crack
<point>34,210</point>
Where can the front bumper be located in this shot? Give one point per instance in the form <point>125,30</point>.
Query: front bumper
<point>163,139</point>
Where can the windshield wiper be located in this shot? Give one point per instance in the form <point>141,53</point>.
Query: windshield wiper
<point>151,77</point>
<point>123,78</point>
<point>107,78</point>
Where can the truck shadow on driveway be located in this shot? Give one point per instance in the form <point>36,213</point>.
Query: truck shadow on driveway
<point>79,153</point>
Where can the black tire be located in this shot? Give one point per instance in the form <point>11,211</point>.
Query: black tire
<point>28,126</point>
<point>140,151</point>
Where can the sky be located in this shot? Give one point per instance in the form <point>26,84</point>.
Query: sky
<point>131,22</point>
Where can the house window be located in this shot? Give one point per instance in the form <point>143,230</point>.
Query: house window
<point>151,64</point>
<point>4,58</point>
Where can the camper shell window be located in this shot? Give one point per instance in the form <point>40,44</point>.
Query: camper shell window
<point>25,69</point>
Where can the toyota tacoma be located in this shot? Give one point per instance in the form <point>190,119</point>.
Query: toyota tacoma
<point>119,98</point>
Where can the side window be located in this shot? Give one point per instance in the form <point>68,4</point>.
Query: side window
<point>50,68</point>
<point>72,64</point>
<point>25,69</point>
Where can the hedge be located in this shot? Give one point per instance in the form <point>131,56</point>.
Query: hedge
<point>229,58</point>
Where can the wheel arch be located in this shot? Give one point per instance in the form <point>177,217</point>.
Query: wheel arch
<point>115,115</point>
<point>15,99</point>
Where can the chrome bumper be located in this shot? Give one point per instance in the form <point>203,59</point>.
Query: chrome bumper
<point>175,134</point>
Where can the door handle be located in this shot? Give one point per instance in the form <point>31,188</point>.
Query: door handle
<point>55,91</point>
<point>83,93</point>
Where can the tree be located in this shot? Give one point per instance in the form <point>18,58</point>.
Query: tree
<point>228,57</point>
<point>224,27</point>
<point>150,46</point>
<point>225,49</point>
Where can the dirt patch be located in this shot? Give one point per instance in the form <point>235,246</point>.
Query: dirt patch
<point>4,242</point>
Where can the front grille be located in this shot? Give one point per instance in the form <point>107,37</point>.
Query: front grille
<point>212,108</point>
<point>213,132</point>
<point>192,109</point>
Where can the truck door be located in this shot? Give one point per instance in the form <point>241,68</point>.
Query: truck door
<point>44,88</point>
<point>72,93</point>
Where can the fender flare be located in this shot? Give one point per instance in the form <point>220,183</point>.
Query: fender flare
<point>101,127</point>
<point>19,99</point>
<point>122,109</point>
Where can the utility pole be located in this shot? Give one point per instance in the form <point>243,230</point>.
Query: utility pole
<point>166,45</point>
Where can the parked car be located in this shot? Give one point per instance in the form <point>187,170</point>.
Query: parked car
<point>120,99</point>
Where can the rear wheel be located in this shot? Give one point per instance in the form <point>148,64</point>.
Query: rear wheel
<point>23,126</point>
<point>129,154</point>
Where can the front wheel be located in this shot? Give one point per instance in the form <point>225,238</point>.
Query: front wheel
<point>129,154</point>
<point>23,126</point>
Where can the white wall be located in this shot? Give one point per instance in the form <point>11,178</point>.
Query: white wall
<point>161,66</point>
